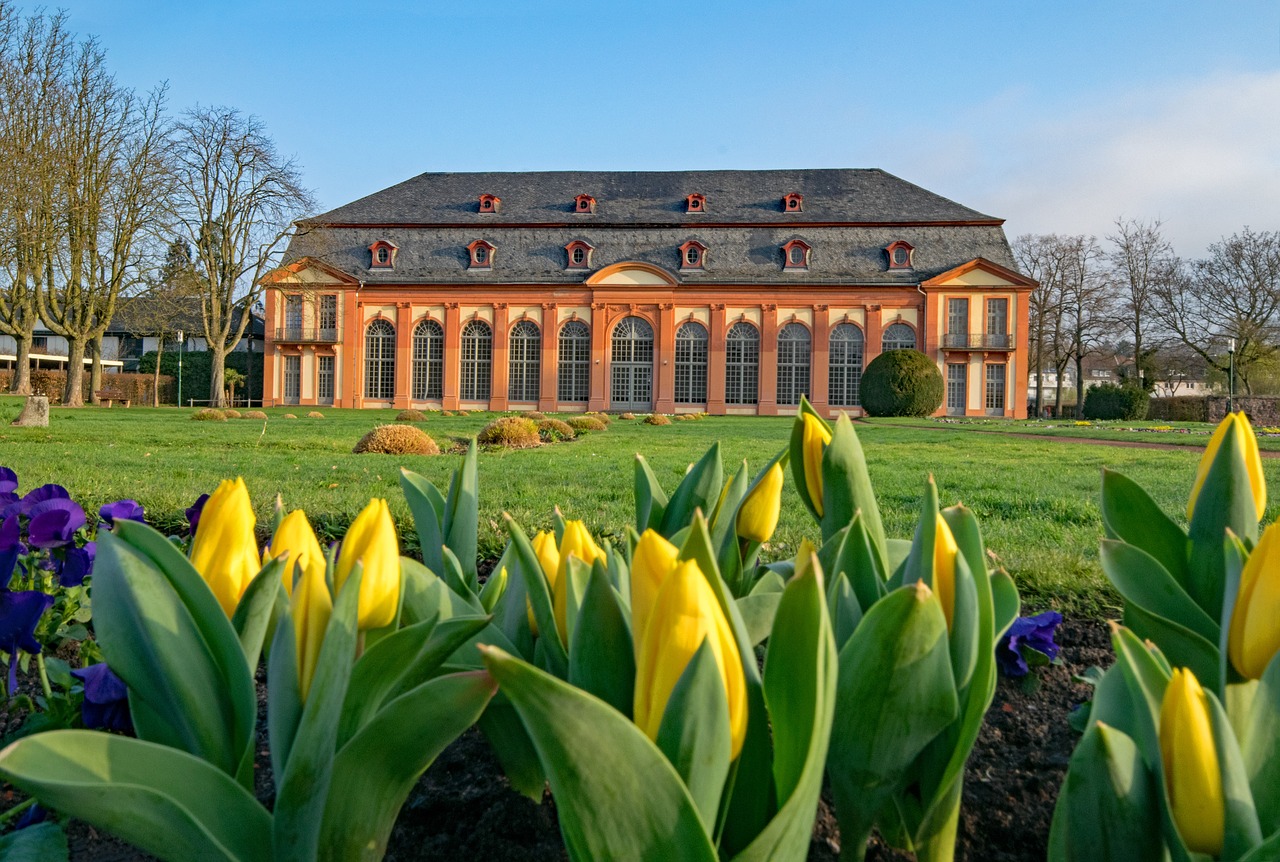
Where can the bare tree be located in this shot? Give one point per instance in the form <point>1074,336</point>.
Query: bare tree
<point>236,203</point>
<point>1141,259</point>
<point>1233,295</point>
<point>1041,257</point>
<point>1084,292</point>
<point>165,303</point>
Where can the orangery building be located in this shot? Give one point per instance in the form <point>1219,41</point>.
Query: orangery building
<point>731,292</point>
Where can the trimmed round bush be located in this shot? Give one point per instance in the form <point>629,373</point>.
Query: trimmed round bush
<point>554,430</point>
<point>656,419</point>
<point>627,416</point>
<point>603,417</point>
<point>315,414</point>
<point>397,440</point>
<point>254,414</point>
<point>411,416</point>
<point>510,432</point>
<point>209,414</point>
<point>586,423</point>
<point>463,413</point>
<point>901,383</point>
<point>535,415</point>
<point>1109,401</point>
<point>231,414</point>
<point>688,417</point>
<point>446,412</point>
<point>290,416</point>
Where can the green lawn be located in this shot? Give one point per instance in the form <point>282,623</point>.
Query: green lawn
<point>1194,434</point>
<point>1037,500</point>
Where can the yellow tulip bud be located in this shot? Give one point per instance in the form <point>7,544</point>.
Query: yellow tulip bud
<point>814,439</point>
<point>684,615</point>
<point>312,608</point>
<point>944,568</point>
<point>224,550</point>
<point>544,546</point>
<point>576,542</point>
<point>1191,772</point>
<point>295,537</point>
<point>653,560</point>
<point>758,515</point>
<point>1237,424</point>
<point>1254,637</point>
<point>371,540</point>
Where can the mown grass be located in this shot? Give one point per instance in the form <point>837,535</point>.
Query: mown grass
<point>1194,434</point>
<point>1036,499</point>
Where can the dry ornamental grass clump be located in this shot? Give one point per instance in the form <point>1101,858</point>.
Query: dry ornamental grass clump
<point>446,412</point>
<point>510,432</point>
<point>463,413</point>
<point>627,416</point>
<point>586,423</point>
<point>397,440</point>
<point>315,414</point>
<point>209,414</point>
<point>231,414</point>
<point>254,414</point>
<point>411,416</point>
<point>656,419</point>
<point>555,430</point>
<point>290,416</point>
<point>535,415</point>
<point>602,417</point>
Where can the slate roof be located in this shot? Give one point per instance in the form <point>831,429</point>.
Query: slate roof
<point>849,217</point>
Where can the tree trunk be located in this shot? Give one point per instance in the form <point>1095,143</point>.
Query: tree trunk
<point>21,382</point>
<point>1079,386</point>
<point>1057,395</point>
<point>217,395</point>
<point>73,394</point>
<point>95,369</point>
<point>155,387</point>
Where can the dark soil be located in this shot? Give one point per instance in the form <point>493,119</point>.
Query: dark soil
<point>464,809</point>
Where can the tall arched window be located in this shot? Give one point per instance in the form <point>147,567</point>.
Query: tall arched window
<point>691,364</point>
<point>793,363</point>
<point>742,364</point>
<point>380,361</point>
<point>477,360</point>
<point>845,366</point>
<point>523,378</point>
<point>428,360</point>
<point>574,380</point>
<point>898,336</point>
<point>631,365</point>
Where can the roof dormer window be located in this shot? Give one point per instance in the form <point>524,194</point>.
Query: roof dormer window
<point>793,203</point>
<point>695,203</point>
<point>900,254</point>
<point>490,203</point>
<point>584,204</point>
<point>382,255</point>
<point>481,254</point>
<point>795,254</point>
<point>579,254</point>
<point>693,255</point>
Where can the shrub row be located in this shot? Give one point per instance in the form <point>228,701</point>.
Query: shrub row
<point>197,370</point>
<point>1109,401</point>
<point>133,387</point>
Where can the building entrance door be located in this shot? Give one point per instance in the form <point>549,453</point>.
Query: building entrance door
<point>631,366</point>
<point>956,395</point>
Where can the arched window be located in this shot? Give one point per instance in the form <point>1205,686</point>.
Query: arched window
<point>428,360</point>
<point>844,366</point>
<point>793,363</point>
<point>380,361</point>
<point>574,380</point>
<point>631,365</point>
<point>691,364</point>
<point>898,336</point>
<point>523,378</point>
<point>741,364</point>
<point>477,360</point>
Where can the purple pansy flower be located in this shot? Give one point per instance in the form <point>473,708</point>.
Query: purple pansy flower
<point>76,564</point>
<point>106,699</point>
<point>121,510</point>
<point>1032,632</point>
<point>54,522</point>
<point>42,494</point>
<point>33,815</point>
<point>193,514</point>
<point>20,613</point>
<point>11,548</point>
<point>8,481</point>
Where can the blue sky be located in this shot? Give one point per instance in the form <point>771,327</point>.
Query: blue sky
<point>1056,116</point>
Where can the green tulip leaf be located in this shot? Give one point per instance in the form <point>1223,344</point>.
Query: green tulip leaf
<point>846,488</point>
<point>1225,502</point>
<point>602,657</point>
<point>694,733</point>
<point>796,448</point>
<point>494,587</point>
<point>43,842</point>
<point>919,565</point>
<point>1006,604</point>
<point>1234,556</point>
<point>374,772</point>
<point>300,796</point>
<point>427,505</point>
<point>618,797</point>
<point>1182,647</point>
<point>257,610</point>
<point>1260,746</point>
<point>1130,515</point>
<point>462,515</point>
<point>757,612</point>
<point>539,595</point>
<point>511,613</point>
<point>458,580</point>
<point>723,516</point>
<point>511,744</point>
<point>284,704</point>
<point>164,801</point>
<point>846,613</point>
<point>699,489</point>
<point>424,596</point>
<point>1143,581</point>
<point>1147,677</point>
<point>651,500</point>
<point>1108,808</point>
<point>1241,829</point>
<point>970,631</point>
<point>1267,851</point>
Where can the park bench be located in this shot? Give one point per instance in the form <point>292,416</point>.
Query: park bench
<point>106,397</point>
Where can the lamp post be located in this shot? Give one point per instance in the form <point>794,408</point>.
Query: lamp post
<point>182,346</point>
<point>1231,378</point>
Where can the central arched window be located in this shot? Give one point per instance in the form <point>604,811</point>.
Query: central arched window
<point>380,361</point>
<point>691,364</point>
<point>742,364</point>
<point>524,378</point>
<point>477,360</point>
<point>574,380</point>
<point>898,336</point>
<point>793,363</point>
<point>844,375</point>
<point>428,360</point>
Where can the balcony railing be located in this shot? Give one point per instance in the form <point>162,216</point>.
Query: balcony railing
<point>970,341</point>
<point>306,335</point>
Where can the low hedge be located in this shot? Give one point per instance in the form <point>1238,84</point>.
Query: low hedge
<point>136,388</point>
<point>1181,408</point>
<point>901,383</point>
<point>197,369</point>
<point>1109,401</point>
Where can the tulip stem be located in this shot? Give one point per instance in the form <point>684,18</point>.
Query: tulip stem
<point>359,645</point>
<point>44,677</point>
<point>17,809</point>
